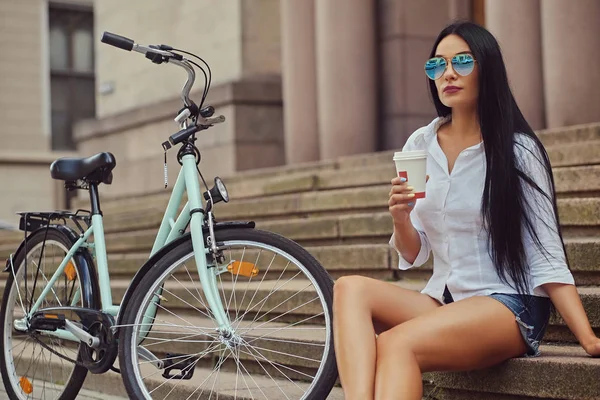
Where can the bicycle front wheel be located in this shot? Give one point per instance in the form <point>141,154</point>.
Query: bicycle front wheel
<point>280,346</point>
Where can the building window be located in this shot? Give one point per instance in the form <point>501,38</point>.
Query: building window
<point>72,81</point>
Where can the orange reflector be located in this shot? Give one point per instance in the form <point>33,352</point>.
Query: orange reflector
<point>70,271</point>
<point>53,316</point>
<point>243,268</point>
<point>26,386</point>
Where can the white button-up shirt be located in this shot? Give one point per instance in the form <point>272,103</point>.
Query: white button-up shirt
<point>450,223</point>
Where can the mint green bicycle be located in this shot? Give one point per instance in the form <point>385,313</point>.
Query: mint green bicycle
<point>217,309</point>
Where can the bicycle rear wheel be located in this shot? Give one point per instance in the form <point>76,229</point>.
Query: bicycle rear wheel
<point>279,299</point>
<point>30,371</point>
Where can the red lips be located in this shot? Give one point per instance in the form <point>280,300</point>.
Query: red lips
<point>451,89</point>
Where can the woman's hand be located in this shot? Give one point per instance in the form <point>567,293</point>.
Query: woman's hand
<point>402,200</point>
<point>593,347</point>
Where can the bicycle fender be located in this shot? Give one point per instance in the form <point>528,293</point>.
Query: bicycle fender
<point>87,268</point>
<point>139,275</point>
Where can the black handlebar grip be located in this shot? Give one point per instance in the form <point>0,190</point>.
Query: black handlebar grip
<point>183,135</point>
<point>117,41</point>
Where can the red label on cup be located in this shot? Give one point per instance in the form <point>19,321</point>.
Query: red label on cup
<point>403,174</point>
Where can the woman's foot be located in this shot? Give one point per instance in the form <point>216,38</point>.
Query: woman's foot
<point>593,347</point>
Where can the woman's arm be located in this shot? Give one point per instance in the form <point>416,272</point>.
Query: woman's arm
<point>549,268</point>
<point>566,300</point>
<point>407,241</point>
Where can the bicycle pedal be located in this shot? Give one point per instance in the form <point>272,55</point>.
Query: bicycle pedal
<point>243,268</point>
<point>47,321</point>
<point>179,362</point>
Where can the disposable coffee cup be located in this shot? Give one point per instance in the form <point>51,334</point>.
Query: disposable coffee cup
<point>412,165</point>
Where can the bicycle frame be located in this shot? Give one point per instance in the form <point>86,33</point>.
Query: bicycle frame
<point>170,229</point>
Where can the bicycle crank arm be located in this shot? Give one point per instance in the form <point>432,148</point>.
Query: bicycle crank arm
<point>82,335</point>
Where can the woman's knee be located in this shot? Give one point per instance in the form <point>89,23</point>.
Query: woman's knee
<point>349,287</point>
<point>393,342</point>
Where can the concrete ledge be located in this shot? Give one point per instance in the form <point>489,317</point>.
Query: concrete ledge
<point>34,158</point>
<point>265,92</point>
<point>574,376</point>
<point>569,134</point>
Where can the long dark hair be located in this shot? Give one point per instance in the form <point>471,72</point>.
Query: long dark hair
<point>504,204</point>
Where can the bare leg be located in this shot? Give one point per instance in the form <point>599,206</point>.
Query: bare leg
<point>469,334</point>
<point>358,304</point>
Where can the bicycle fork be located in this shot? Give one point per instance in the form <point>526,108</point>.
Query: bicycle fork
<point>206,276</point>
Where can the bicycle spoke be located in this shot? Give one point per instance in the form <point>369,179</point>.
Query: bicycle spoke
<point>197,291</point>
<point>287,312</point>
<point>275,330</point>
<point>180,299</point>
<point>236,278</point>
<point>198,299</point>
<point>220,362</point>
<point>248,283</point>
<point>239,363</point>
<point>269,375</point>
<point>263,301</point>
<point>256,291</point>
<point>278,364</point>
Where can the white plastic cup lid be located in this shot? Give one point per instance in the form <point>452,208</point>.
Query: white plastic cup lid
<point>408,155</point>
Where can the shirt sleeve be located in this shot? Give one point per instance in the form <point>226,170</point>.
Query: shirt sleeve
<point>547,264</point>
<point>423,255</point>
<point>425,249</point>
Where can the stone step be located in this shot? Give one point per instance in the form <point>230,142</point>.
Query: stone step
<point>569,134</point>
<point>229,386</point>
<point>516,377</point>
<point>582,212</point>
<point>377,260</point>
<point>368,259</point>
<point>570,360</point>
<point>295,299</point>
<point>560,154</point>
<point>579,217</point>
<point>561,372</point>
<point>576,153</point>
<point>570,181</point>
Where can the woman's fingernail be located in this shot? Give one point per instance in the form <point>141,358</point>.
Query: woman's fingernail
<point>410,195</point>
<point>410,188</point>
<point>402,179</point>
<point>412,203</point>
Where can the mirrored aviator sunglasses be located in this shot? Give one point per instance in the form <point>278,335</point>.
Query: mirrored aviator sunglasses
<point>463,64</point>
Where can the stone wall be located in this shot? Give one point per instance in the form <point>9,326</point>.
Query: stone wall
<point>25,181</point>
<point>24,88</point>
<point>407,31</point>
<point>251,137</point>
<point>238,38</point>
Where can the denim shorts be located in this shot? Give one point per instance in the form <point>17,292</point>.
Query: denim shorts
<point>532,314</point>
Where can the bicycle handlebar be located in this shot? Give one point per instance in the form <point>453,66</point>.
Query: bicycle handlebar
<point>150,52</point>
<point>117,41</point>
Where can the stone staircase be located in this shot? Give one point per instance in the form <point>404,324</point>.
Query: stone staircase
<point>337,210</point>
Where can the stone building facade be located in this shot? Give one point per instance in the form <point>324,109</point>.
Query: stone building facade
<point>298,80</point>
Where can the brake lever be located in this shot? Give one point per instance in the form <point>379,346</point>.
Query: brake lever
<point>210,120</point>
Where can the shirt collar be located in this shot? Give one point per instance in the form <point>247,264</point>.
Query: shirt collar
<point>431,133</point>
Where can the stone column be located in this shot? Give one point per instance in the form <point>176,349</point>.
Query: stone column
<point>346,78</point>
<point>459,9</point>
<point>516,24</point>
<point>299,81</point>
<point>571,55</point>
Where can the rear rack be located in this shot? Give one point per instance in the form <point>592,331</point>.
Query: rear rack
<point>33,220</point>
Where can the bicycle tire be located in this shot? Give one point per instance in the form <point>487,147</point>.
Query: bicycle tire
<point>328,369</point>
<point>79,373</point>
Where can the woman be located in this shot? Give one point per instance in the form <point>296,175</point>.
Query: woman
<point>491,221</point>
